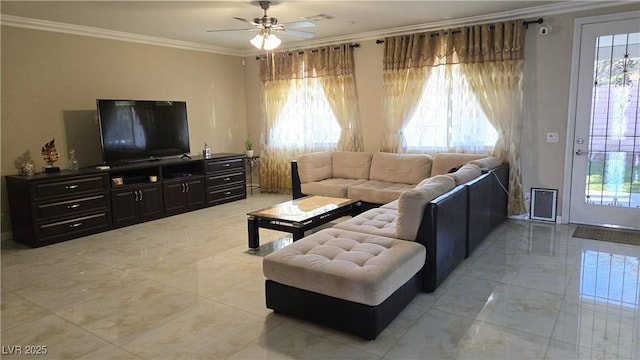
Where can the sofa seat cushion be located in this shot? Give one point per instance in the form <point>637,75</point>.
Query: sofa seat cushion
<point>465,174</point>
<point>391,205</point>
<point>378,221</point>
<point>400,168</point>
<point>378,192</point>
<point>445,162</point>
<point>351,164</point>
<point>412,203</point>
<point>334,187</point>
<point>353,266</point>
<point>315,167</point>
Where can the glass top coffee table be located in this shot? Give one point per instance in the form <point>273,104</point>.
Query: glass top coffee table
<point>298,216</point>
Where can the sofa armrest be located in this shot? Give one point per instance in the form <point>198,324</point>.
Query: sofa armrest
<point>443,232</point>
<point>295,181</point>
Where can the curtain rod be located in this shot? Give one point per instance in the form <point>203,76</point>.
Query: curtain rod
<point>526,26</point>
<point>353,46</point>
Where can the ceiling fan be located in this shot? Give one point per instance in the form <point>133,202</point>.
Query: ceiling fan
<point>267,26</point>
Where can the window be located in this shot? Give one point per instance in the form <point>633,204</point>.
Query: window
<point>306,118</point>
<point>448,117</point>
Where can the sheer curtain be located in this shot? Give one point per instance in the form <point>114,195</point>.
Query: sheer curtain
<point>334,68</point>
<point>489,58</point>
<point>492,61</point>
<point>309,103</point>
<point>448,112</point>
<point>403,78</point>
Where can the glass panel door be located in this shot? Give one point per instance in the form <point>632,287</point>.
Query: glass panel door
<point>606,166</point>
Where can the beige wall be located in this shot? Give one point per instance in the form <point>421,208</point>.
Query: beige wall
<point>50,82</point>
<point>546,90</point>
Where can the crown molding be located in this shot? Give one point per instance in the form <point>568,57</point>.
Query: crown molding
<point>45,25</point>
<point>536,11</point>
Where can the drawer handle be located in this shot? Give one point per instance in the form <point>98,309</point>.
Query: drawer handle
<point>75,225</point>
<point>226,165</point>
<point>73,206</point>
<point>71,187</point>
<point>226,179</point>
<point>228,193</point>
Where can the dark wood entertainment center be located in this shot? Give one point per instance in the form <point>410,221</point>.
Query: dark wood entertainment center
<point>47,208</point>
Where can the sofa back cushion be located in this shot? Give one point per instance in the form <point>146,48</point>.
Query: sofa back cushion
<point>400,168</point>
<point>487,163</point>
<point>444,162</point>
<point>351,164</point>
<point>315,167</point>
<point>466,173</point>
<point>412,203</point>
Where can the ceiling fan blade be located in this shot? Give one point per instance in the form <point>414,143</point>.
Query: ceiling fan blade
<point>247,21</point>
<point>299,24</point>
<point>298,33</point>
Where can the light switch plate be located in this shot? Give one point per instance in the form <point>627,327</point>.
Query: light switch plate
<point>552,137</point>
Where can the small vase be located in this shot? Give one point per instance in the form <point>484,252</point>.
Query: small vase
<point>73,162</point>
<point>249,153</point>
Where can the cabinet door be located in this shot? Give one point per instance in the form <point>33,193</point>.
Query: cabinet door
<point>124,206</point>
<point>174,196</point>
<point>150,202</point>
<point>195,195</point>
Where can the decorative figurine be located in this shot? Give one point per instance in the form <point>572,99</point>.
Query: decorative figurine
<point>50,155</point>
<point>29,168</point>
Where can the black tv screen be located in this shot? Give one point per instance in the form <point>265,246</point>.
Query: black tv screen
<point>132,130</point>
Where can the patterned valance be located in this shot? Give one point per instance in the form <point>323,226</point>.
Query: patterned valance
<point>332,60</point>
<point>470,44</point>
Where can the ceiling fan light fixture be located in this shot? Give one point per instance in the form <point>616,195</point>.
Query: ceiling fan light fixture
<point>271,42</point>
<point>257,41</point>
<point>265,41</point>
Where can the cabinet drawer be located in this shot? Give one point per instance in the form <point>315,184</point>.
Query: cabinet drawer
<point>68,187</point>
<point>213,166</point>
<point>215,195</point>
<point>225,179</point>
<point>74,227</point>
<point>72,207</point>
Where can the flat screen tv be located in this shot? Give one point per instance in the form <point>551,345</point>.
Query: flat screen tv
<point>135,130</point>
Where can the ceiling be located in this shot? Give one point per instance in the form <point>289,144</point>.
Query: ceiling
<point>185,23</point>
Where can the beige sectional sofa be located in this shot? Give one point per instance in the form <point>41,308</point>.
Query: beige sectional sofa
<point>376,178</point>
<point>358,275</point>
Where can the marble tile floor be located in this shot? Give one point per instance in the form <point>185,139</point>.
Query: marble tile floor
<point>186,287</point>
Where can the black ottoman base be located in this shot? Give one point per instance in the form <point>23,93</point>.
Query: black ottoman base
<point>351,317</point>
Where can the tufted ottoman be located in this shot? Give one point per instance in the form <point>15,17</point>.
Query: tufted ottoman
<point>355,282</point>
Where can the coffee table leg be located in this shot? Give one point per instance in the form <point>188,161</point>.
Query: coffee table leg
<point>254,234</point>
